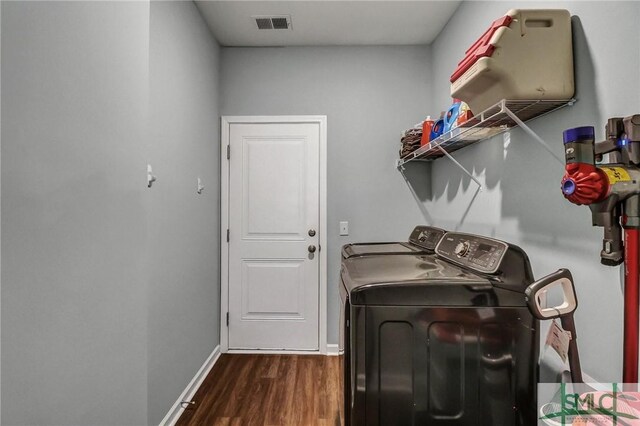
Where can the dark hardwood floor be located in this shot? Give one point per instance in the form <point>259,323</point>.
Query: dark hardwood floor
<point>269,390</point>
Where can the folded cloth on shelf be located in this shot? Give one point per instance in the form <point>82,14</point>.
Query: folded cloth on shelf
<point>410,141</point>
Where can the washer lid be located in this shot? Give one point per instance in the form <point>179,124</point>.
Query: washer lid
<point>423,239</point>
<point>365,249</point>
<point>413,280</point>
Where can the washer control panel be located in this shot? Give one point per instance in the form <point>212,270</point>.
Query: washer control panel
<point>472,251</point>
<point>426,237</point>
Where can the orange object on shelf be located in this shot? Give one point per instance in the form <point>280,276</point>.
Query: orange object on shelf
<point>464,115</point>
<point>427,125</point>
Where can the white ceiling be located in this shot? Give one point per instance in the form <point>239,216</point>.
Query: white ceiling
<point>328,22</point>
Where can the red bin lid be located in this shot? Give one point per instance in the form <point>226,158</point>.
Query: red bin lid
<point>481,48</point>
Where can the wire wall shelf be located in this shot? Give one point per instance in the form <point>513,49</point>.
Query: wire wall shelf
<point>494,120</point>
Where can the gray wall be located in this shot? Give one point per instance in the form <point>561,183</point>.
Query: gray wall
<point>369,95</point>
<point>522,202</point>
<point>183,299</point>
<point>109,289</point>
<point>74,229</point>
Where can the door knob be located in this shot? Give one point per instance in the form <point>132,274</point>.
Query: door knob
<point>312,249</point>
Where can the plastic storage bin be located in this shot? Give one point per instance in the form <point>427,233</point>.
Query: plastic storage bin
<point>526,54</point>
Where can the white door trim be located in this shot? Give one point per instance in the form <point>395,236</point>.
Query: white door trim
<point>226,121</point>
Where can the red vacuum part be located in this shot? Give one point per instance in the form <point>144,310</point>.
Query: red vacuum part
<point>631,306</point>
<point>584,183</point>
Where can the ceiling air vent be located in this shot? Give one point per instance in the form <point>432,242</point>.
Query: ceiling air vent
<point>279,22</point>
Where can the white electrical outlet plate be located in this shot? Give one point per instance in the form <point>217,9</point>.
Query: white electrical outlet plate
<point>344,228</point>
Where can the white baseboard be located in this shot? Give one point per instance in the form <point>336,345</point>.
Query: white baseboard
<point>177,409</point>
<point>333,349</point>
<point>271,352</point>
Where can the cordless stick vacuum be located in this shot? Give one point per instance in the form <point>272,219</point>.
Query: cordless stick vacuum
<point>611,189</point>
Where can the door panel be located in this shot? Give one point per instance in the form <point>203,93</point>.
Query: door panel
<point>262,279</point>
<point>273,203</point>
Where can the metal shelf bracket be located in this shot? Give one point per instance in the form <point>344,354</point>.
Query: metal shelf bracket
<point>461,167</point>
<point>534,135</point>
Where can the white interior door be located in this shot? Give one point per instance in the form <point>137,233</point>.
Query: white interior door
<point>273,223</point>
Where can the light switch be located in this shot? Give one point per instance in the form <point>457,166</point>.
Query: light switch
<point>344,228</point>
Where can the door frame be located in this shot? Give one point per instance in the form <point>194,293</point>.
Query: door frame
<point>225,122</point>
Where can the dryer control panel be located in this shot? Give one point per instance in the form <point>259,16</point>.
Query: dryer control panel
<point>426,237</point>
<point>472,251</point>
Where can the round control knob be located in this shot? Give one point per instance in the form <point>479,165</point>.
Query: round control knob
<point>462,248</point>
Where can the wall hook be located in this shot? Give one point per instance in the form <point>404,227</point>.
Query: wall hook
<point>150,177</point>
<point>200,186</point>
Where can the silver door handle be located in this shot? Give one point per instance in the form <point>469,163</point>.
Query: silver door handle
<point>312,249</point>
